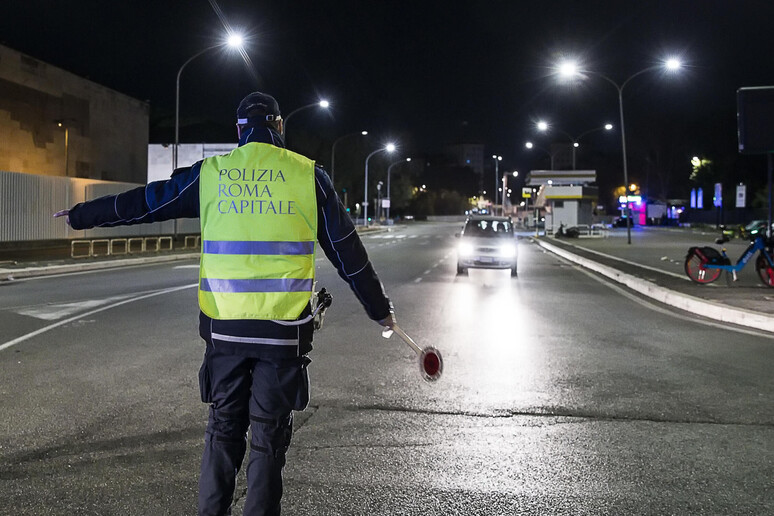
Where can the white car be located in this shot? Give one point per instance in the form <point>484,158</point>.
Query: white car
<point>487,242</point>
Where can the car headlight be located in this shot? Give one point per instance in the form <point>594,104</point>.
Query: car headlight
<point>507,251</point>
<point>465,249</point>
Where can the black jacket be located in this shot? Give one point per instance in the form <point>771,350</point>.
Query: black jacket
<point>178,197</point>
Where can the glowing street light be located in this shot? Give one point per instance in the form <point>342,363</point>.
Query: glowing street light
<point>673,64</point>
<point>569,69</point>
<point>389,148</point>
<point>324,104</point>
<point>505,188</point>
<point>66,123</point>
<point>530,146</point>
<point>333,151</point>
<point>389,169</point>
<point>543,126</point>
<point>497,159</point>
<point>233,41</point>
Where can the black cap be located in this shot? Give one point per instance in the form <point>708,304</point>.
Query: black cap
<point>257,108</point>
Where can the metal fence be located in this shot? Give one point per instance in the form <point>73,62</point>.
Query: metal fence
<point>133,245</point>
<point>28,202</point>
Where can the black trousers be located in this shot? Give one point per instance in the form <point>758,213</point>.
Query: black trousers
<point>243,393</point>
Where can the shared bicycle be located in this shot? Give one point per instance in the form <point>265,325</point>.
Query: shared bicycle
<point>705,264</point>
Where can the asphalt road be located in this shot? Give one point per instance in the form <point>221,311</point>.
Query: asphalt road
<point>561,394</point>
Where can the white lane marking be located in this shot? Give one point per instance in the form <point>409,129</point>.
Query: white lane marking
<point>35,333</point>
<point>54,312</point>
<point>417,280</point>
<point>196,266</point>
<point>427,271</point>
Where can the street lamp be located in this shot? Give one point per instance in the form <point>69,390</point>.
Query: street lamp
<point>65,123</point>
<point>507,190</point>
<point>390,147</point>
<point>379,200</point>
<point>571,69</point>
<point>333,151</point>
<point>234,41</point>
<point>321,103</point>
<point>497,159</point>
<point>531,146</point>
<point>389,169</point>
<point>544,127</point>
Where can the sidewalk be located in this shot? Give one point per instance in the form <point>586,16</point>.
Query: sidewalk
<point>653,266</point>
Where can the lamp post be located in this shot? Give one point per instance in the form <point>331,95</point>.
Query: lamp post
<point>571,69</point>
<point>333,151</point>
<point>379,200</point>
<point>389,170</point>
<point>233,41</point>
<point>531,146</point>
<point>62,123</point>
<point>320,103</point>
<point>497,159</point>
<point>544,127</point>
<point>515,173</point>
<point>390,147</point>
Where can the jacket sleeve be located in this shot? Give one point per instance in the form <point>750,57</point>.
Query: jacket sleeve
<point>341,244</point>
<point>176,197</point>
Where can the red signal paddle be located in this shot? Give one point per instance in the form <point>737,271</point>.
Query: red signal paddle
<point>430,361</point>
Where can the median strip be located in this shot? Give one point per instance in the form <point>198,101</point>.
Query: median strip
<point>695,305</point>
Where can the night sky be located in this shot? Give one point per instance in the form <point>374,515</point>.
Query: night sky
<point>424,72</point>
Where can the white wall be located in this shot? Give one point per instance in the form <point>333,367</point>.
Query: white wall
<point>28,202</point>
<point>160,156</point>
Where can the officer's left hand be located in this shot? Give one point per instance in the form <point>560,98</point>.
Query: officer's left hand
<point>65,214</point>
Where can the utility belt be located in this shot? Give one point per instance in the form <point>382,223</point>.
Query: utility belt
<point>259,338</point>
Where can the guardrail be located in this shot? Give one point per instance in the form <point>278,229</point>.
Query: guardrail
<point>585,230</point>
<point>121,246</point>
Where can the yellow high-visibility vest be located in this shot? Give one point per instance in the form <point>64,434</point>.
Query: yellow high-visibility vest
<point>258,212</point>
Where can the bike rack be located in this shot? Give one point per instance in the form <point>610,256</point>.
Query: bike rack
<point>80,242</point>
<point>120,246</point>
<point>151,244</point>
<point>196,239</point>
<point>112,246</point>
<point>135,240</point>
<point>102,242</point>
<point>164,240</point>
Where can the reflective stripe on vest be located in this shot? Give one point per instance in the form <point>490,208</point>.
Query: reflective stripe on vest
<point>258,211</point>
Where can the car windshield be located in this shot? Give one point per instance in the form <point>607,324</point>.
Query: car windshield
<point>488,228</point>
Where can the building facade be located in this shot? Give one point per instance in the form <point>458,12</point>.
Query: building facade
<point>55,123</point>
<point>565,197</point>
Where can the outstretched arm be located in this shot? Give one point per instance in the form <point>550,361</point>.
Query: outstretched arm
<point>177,197</point>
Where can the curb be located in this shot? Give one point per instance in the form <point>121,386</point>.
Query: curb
<point>47,270</point>
<point>695,305</point>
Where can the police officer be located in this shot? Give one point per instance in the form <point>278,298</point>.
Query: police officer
<point>262,209</point>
